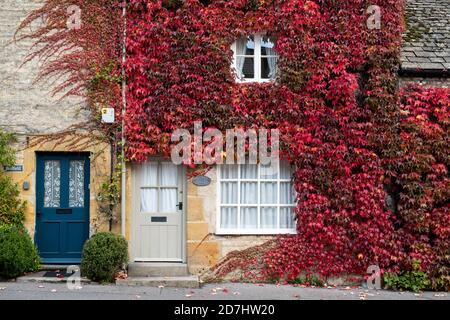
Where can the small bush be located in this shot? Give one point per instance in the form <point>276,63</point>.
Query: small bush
<point>18,254</point>
<point>103,256</point>
<point>415,280</point>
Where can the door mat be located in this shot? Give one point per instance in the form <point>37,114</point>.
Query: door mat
<point>57,274</point>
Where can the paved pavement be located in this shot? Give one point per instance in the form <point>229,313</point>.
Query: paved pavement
<point>223,291</point>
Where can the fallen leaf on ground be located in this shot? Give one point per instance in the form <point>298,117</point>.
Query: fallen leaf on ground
<point>121,275</point>
<point>41,287</point>
<point>2,288</point>
<point>236,293</point>
<point>53,290</point>
<point>188,295</point>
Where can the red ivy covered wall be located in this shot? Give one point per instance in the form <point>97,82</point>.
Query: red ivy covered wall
<point>336,104</point>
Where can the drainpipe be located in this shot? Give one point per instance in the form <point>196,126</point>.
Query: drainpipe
<point>124,107</point>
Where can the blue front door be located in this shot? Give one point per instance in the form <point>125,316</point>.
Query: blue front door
<point>62,206</point>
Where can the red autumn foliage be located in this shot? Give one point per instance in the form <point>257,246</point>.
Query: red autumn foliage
<point>351,137</point>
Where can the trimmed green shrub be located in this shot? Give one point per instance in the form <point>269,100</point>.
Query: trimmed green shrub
<point>18,254</point>
<point>104,254</point>
<point>415,280</point>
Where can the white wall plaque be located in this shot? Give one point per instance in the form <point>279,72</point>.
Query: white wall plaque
<point>108,115</point>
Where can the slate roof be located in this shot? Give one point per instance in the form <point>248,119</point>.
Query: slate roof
<point>426,42</point>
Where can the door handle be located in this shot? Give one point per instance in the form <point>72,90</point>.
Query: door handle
<point>180,205</point>
<point>38,214</point>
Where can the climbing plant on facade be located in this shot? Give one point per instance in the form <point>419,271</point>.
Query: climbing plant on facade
<point>12,208</point>
<point>345,127</point>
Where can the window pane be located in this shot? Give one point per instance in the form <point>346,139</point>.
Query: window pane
<point>287,218</point>
<point>76,183</point>
<point>52,183</point>
<point>268,67</point>
<point>228,217</point>
<point>229,192</point>
<point>286,193</point>
<point>249,171</point>
<point>269,192</point>
<point>268,46</point>
<point>229,171</point>
<point>269,217</point>
<point>245,67</point>
<point>149,174</point>
<point>245,46</point>
<point>268,172</point>
<point>168,200</point>
<point>249,217</point>
<point>249,192</point>
<point>149,200</point>
<point>169,174</point>
<point>285,170</point>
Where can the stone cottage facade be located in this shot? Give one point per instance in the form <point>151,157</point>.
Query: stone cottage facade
<point>190,225</point>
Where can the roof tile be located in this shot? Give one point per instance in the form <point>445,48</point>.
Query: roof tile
<point>426,42</point>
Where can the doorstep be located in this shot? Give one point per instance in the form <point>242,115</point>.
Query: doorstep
<point>47,267</point>
<point>188,281</point>
<point>39,277</point>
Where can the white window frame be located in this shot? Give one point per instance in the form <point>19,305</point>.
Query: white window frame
<point>257,61</point>
<point>257,231</point>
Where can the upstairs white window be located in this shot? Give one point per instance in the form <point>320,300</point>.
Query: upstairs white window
<point>253,200</point>
<point>255,59</point>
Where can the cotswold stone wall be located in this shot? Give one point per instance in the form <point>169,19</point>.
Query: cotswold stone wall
<point>28,108</point>
<point>429,82</point>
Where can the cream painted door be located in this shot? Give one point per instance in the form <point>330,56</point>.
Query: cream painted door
<point>158,233</point>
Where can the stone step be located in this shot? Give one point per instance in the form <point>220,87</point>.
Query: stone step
<point>170,282</point>
<point>53,267</point>
<point>157,269</point>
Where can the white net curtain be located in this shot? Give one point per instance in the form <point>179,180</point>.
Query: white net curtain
<point>159,191</point>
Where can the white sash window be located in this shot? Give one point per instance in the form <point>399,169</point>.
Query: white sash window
<point>253,201</point>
